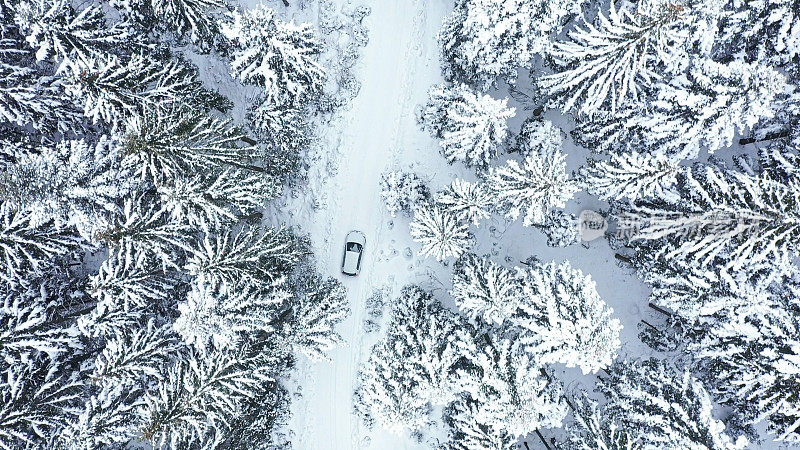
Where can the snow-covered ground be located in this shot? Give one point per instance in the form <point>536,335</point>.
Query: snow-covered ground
<point>377,132</point>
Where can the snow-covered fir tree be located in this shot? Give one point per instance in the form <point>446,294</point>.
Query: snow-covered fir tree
<point>35,404</point>
<point>278,56</point>
<point>199,19</point>
<point>470,126</point>
<point>710,104</point>
<point>468,430</point>
<point>139,354</point>
<point>58,31</point>
<point>221,197</point>
<point>663,407</point>
<point>727,218</point>
<point>440,232</point>
<point>162,145</point>
<point>604,63</point>
<point>387,394</point>
<point>483,42</point>
<point>28,247</point>
<point>533,187</point>
<point>284,128</point>
<point>30,97</point>
<point>632,176</point>
<point>217,315</point>
<point>138,302</point>
<point>308,324</point>
<point>591,428</point>
<point>74,184</point>
<point>253,255</point>
<point>485,290</point>
<point>403,192</point>
<point>512,393</point>
<point>750,361</point>
<point>197,397</point>
<point>412,368</point>
<point>111,89</point>
<point>765,30</point>
<point>129,278</point>
<point>471,202</point>
<point>561,229</point>
<point>563,319</point>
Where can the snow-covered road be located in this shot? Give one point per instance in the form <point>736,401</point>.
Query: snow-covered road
<point>397,67</point>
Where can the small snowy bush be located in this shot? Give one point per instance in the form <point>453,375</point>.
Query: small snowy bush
<point>561,229</point>
<point>403,191</point>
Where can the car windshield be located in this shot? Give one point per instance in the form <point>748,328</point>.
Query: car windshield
<point>354,247</point>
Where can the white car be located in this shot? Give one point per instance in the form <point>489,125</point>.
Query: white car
<point>353,249</point>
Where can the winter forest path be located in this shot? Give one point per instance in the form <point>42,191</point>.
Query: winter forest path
<point>371,137</point>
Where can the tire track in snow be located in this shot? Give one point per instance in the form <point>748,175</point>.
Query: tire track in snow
<point>375,125</point>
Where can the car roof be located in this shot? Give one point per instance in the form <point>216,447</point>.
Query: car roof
<point>357,237</point>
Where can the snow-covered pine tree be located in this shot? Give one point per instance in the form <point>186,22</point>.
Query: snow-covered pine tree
<point>220,316</point>
<point>278,56</point>
<point>470,126</point>
<point>403,192</point>
<point>512,394</point>
<point>604,63</point>
<point>663,407</point>
<point>441,234</point>
<point>467,430</point>
<point>58,31</point>
<point>163,145</point>
<point>726,219</point>
<point>254,255</point>
<point>484,42</point>
<point>470,202</point>
<point>219,197</point>
<point>563,319</point>
<point>28,247</point>
<point>750,362</point>
<point>632,176</point>
<point>486,291</point>
<point>111,89</point>
<point>592,429</point>
<point>710,104</point>
<point>535,186</point>
<point>317,306</point>
<point>413,367</point>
